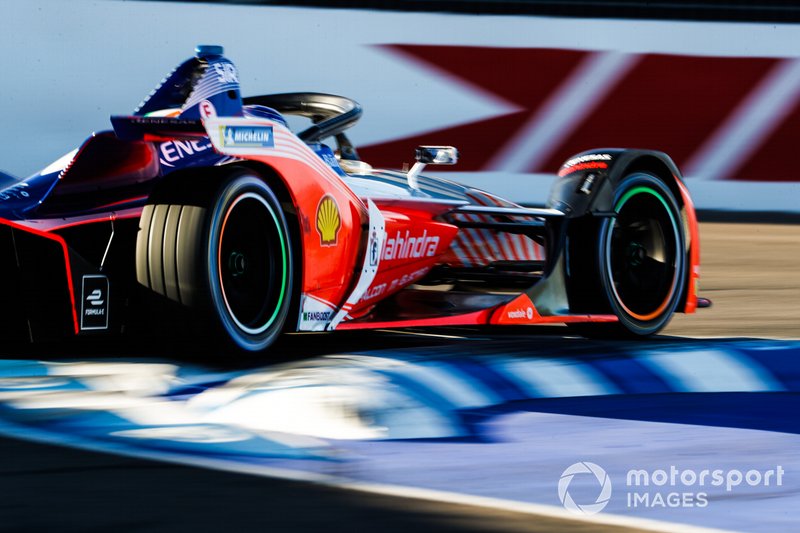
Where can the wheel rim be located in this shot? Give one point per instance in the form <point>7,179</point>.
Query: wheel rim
<point>251,278</point>
<point>642,253</point>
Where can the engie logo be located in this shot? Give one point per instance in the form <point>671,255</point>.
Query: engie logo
<point>580,469</point>
<point>172,152</point>
<point>247,136</point>
<point>94,304</point>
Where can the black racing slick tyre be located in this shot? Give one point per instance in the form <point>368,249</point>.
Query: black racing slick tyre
<point>640,259</point>
<point>229,259</point>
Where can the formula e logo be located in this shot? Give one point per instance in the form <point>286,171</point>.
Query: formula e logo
<point>96,298</point>
<point>247,136</point>
<point>94,304</point>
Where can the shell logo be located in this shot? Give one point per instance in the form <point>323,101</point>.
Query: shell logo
<point>328,221</point>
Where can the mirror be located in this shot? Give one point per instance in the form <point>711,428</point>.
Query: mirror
<point>437,155</point>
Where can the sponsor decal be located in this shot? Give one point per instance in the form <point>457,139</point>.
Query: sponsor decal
<point>173,152</point>
<point>207,109</point>
<point>374,251</point>
<point>329,222</point>
<point>585,162</point>
<point>246,136</point>
<point>376,291</point>
<point>315,314</point>
<point>15,192</point>
<point>94,304</point>
<point>226,73</point>
<point>410,247</point>
<point>588,183</point>
<point>521,313</point>
<point>406,279</point>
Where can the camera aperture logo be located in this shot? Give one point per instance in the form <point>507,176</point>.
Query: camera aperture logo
<point>581,469</point>
<point>660,488</point>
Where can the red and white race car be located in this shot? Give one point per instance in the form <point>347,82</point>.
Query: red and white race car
<point>211,201</point>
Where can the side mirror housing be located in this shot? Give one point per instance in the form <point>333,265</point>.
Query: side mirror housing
<point>431,155</point>
<point>437,155</point>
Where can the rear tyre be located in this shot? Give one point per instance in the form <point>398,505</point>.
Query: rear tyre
<point>640,259</point>
<point>229,260</point>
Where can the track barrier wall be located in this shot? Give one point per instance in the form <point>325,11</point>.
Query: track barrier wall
<point>516,94</point>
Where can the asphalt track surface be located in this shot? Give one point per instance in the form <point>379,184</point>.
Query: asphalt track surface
<point>748,270</point>
<point>752,274</point>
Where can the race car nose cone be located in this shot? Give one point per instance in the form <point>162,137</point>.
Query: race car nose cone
<point>205,50</point>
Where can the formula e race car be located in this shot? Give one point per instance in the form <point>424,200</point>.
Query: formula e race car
<point>209,202</point>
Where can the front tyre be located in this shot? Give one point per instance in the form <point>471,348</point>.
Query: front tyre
<point>641,255</point>
<point>248,262</point>
<point>223,252</point>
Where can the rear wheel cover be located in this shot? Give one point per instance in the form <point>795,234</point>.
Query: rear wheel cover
<point>642,254</point>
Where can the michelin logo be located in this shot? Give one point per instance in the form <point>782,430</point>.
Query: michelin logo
<point>247,136</point>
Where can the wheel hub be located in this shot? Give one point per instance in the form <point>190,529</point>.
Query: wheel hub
<point>237,264</point>
<point>636,254</point>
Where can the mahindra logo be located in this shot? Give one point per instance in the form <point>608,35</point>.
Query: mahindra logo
<point>406,246</point>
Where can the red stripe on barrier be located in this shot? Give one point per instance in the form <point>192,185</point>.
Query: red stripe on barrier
<point>521,76</point>
<point>668,103</point>
<point>672,103</point>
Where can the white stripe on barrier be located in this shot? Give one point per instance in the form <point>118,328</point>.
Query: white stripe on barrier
<point>570,104</point>
<point>749,125</point>
<point>709,371</point>
<point>551,378</point>
<point>450,383</point>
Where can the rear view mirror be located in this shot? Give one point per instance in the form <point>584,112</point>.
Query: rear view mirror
<point>437,155</point>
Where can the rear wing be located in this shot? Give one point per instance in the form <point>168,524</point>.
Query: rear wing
<point>134,128</point>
